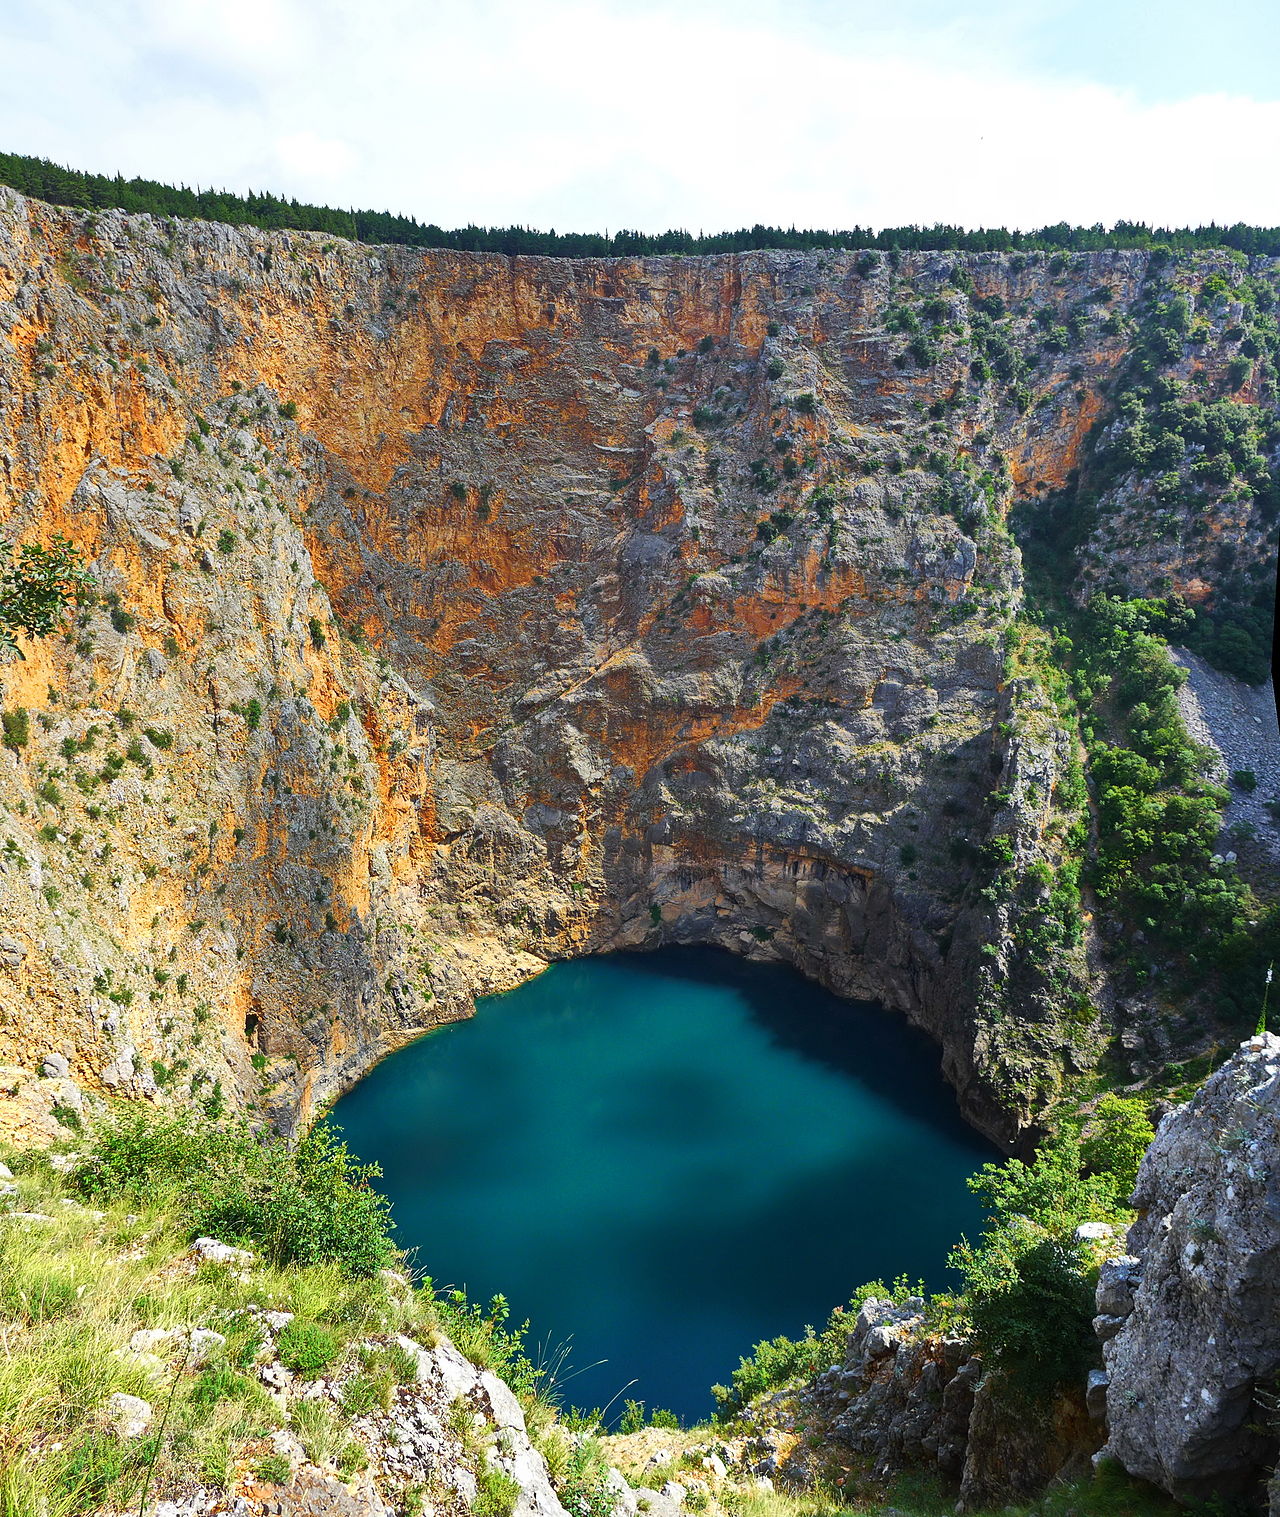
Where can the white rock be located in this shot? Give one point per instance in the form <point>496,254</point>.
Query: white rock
<point>276,1376</point>
<point>202,1342</point>
<point>55,1066</point>
<point>220,1253</point>
<point>1093,1232</point>
<point>5,1172</point>
<point>131,1414</point>
<point>716,1465</point>
<point>148,1339</point>
<point>673,1491</point>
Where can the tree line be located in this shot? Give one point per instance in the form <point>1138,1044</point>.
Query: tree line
<point>44,180</point>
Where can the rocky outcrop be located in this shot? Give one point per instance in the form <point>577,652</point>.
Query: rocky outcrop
<point>907,1397</point>
<point>1191,1316</point>
<point>435,1437</point>
<point>903,1396</point>
<point>461,612</point>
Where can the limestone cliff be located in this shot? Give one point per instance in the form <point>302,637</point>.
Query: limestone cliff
<point>460,612</point>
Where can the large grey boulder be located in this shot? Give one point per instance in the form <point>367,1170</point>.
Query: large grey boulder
<point>1198,1348</point>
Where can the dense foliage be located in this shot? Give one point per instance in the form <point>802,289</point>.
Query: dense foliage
<point>1029,1282</point>
<point>308,1205</point>
<point>50,181</point>
<point>36,586</point>
<point>1158,813</point>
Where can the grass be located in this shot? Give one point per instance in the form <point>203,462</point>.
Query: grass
<point>73,1291</point>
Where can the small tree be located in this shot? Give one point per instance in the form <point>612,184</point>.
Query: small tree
<point>37,586</point>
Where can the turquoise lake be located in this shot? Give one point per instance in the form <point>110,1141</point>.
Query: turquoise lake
<point>660,1159</point>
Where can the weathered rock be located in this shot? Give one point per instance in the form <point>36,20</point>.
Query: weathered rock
<point>1017,1444</point>
<point>1117,1281</point>
<point>903,1396</point>
<point>215,1252</point>
<point>1202,1340</point>
<point>130,1414</point>
<point>443,1369</point>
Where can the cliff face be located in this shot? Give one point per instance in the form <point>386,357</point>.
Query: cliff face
<point>462,612</point>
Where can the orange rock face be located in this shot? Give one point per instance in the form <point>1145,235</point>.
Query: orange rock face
<point>460,612</point>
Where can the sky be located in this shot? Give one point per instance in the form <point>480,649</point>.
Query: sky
<point>590,115</point>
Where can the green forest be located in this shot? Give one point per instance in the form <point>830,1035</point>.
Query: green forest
<point>45,180</point>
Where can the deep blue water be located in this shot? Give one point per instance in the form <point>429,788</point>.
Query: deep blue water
<point>663,1158</point>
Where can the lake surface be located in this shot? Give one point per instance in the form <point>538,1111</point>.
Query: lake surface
<point>663,1158</point>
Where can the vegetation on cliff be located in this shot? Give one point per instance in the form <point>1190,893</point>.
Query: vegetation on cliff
<point>45,180</point>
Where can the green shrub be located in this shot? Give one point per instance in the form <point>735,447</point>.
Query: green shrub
<point>307,1347</point>
<point>1244,779</point>
<point>496,1493</point>
<point>310,1205</point>
<point>17,727</point>
<point>1029,1285</point>
<point>360,1395</point>
<point>1116,1135</point>
<point>221,1383</point>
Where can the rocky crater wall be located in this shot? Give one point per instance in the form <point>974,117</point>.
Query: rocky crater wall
<point>461,612</point>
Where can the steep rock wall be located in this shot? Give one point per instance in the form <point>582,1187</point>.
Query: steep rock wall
<point>462,612</point>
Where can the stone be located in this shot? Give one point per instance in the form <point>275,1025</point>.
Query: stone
<point>1117,1281</point>
<point>12,952</point>
<point>55,1066</point>
<point>148,1340</point>
<point>5,1172</point>
<point>1095,1396</point>
<point>202,1342</point>
<point>1094,1232</point>
<point>215,1252</point>
<point>1200,1344</point>
<point>130,1414</point>
<point>674,1491</point>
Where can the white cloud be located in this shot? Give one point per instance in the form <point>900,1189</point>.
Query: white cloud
<point>615,113</point>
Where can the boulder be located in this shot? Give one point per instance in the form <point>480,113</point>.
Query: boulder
<point>220,1253</point>
<point>130,1415</point>
<point>1199,1348</point>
